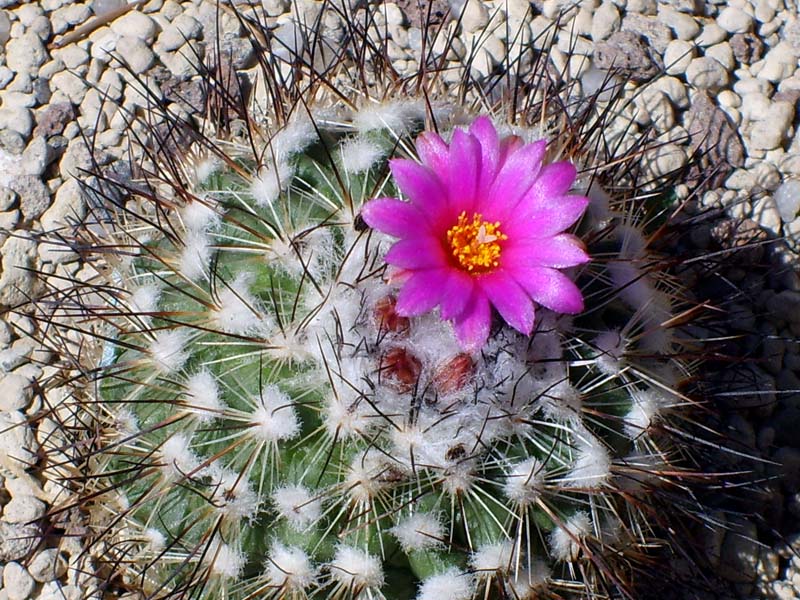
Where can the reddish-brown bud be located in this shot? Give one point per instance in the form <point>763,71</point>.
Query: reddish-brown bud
<point>400,369</point>
<point>452,375</point>
<point>387,317</point>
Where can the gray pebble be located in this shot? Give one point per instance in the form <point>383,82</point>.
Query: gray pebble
<point>17,582</point>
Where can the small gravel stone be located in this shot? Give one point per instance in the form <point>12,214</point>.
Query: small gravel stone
<point>23,509</point>
<point>16,119</point>
<point>768,132</point>
<point>17,582</point>
<point>136,25</point>
<point>5,27</point>
<point>473,14</point>
<point>47,565</point>
<point>16,287</point>
<point>53,119</point>
<point>706,74</point>
<point>16,392</point>
<point>136,53</point>
<point>17,541</point>
<point>723,54</point>
<point>34,195</point>
<point>605,22</point>
<point>25,53</point>
<point>766,213</point>
<point>657,34</point>
<point>780,63</point>
<point>711,34</point>
<point>684,26</point>
<point>747,48</point>
<point>183,28</point>
<point>787,199</point>
<point>626,52</point>
<point>678,56</point>
<point>734,20</point>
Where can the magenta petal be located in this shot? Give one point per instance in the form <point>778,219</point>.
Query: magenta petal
<point>465,163</point>
<point>473,324</point>
<point>510,300</point>
<point>515,178</point>
<point>550,288</point>
<point>483,130</point>
<point>433,153</point>
<point>420,185</point>
<point>422,252</point>
<point>457,292</point>
<point>421,292</point>
<point>394,217</point>
<point>561,251</point>
<point>554,181</point>
<point>545,221</point>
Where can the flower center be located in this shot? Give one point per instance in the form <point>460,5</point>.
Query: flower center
<point>475,245</point>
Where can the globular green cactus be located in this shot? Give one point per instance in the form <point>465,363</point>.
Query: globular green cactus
<point>263,422</point>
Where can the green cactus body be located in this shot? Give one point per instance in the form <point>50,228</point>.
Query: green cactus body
<point>275,429</point>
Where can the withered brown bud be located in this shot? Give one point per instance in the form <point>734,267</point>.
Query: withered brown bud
<point>387,317</point>
<point>400,369</point>
<point>452,375</point>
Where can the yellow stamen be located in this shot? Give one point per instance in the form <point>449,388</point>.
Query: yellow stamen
<point>475,245</point>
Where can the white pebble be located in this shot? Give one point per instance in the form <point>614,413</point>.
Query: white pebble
<point>678,56</point>
<point>17,583</point>
<point>787,200</point>
<point>734,20</point>
<point>706,73</point>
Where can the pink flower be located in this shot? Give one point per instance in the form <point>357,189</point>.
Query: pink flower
<point>483,227</point>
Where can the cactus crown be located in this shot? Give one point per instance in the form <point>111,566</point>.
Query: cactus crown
<point>267,423</point>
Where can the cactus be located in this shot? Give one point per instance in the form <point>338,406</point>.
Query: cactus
<point>264,417</point>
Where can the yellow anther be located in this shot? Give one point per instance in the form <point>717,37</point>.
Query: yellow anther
<point>475,245</point>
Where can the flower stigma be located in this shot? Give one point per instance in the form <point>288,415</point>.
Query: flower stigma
<point>475,245</point>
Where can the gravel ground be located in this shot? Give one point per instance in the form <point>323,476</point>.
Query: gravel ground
<point>731,86</point>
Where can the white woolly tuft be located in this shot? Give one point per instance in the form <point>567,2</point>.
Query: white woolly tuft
<point>154,540</point>
<point>202,396</point>
<point>528,583</point>
<point>177,456</point>
<point>562,544</point>
<point>169,349</point>
<point>355,569</point>
<point>561,402</point>
<point>271,180</point>
<point>592,466</point>
<point>295,137</point>
<point>359,154</point>
<point>363,477</point>
<point>634,286</point>
<point>420,531</point>
<point>611,349</point>
<point>233,496</point>
<point>199,215</point>
<point>126,423</point>
<point>144,299</point>
<point>295,504</point>
<point>205,168</point>
<point>450,585</point>
<point>396,116</point>
<point>524,482</point>
<point>275,417</point>
<point>307,252</point>
<point>224,560</point>
<point>290,569</point>
<point>491,559</point>
<point>459,478</point>
<point>195,258</point>
<point>237,308</point>
<point>346,418</point>
<point>646,406</point>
